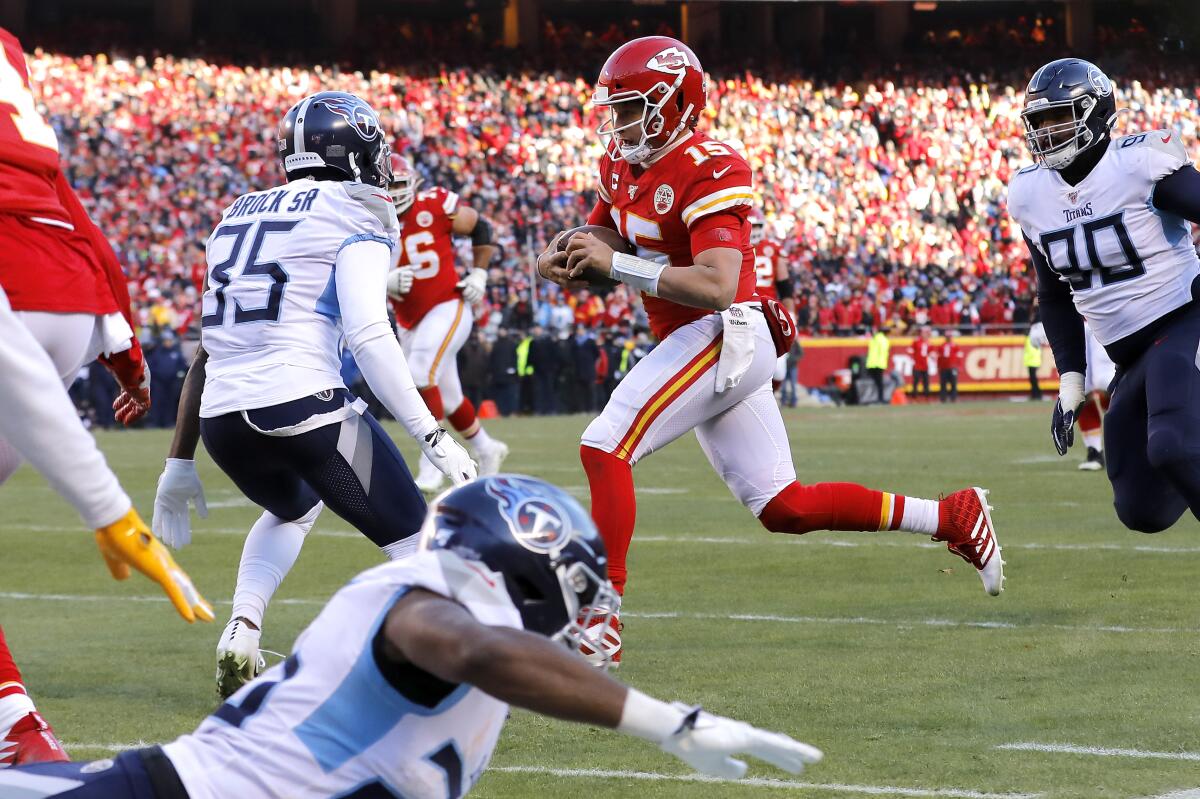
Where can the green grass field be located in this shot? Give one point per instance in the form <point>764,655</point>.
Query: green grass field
<point>880,648</point>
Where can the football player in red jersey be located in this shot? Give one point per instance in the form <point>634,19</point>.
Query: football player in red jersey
<point>60,293</point>
<point>683,199</point>
<point>434,307</point>
<point>771,279</point>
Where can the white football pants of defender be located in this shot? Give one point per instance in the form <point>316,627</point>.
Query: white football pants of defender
<point>673,390</point>
<point>40,423</point>
<point>71,340</point>
<point>432,349</point>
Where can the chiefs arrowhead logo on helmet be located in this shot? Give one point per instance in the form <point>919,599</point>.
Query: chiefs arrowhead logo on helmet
<point>672,61</point>
<point>358,114</point>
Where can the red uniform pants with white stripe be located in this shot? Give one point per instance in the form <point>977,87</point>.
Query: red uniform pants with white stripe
<point>673,390</point>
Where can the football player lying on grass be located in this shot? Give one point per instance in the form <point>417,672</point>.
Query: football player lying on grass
<point>402,684</point>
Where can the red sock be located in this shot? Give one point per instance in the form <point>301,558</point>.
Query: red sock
<point>825,506</point>
<point>1089,417</point>
<point>433,401</point>
<point>463,416</point>
<point>10,675</point>
<point>613,507</point>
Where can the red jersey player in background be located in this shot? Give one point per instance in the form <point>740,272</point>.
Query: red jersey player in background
<point>60,292</point>
<point>920,350</point>
<point>435,308</point>
<point>683,200</point>
<point>771,280</point>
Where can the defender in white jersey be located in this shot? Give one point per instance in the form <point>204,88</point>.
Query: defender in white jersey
<point>296,272</point>
<point>1106,222</point>
<point>401,686</point>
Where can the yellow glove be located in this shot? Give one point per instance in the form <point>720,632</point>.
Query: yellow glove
<point>128,542</point>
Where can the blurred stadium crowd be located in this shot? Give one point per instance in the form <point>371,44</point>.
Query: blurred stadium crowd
<point>885,191</point>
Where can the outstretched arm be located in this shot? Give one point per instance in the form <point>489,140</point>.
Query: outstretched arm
<point>530,671</point>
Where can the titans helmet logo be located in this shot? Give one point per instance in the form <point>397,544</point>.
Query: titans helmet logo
<point>537,523</point>
<point>360,116</point>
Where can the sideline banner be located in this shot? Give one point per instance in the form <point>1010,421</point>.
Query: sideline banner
<point>989,363</point>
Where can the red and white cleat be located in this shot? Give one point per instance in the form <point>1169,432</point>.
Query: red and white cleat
<point>602,648</point>
<point>965,524</point>
<point>31,740</point>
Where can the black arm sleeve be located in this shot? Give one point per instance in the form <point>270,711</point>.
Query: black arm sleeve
<point>1064,325</point>
<point>481,236</point>
<point>1179,193</point>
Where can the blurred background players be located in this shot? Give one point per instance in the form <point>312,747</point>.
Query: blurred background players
<point>402,685</point>
<point>949,361</point>
<point>920,350</point>
<point>59,289</point>
<point>771,279</point>
<point>1100,373</point>
<point>434,308</point>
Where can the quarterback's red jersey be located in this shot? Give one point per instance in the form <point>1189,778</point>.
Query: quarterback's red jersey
<point>28,146</point>
<point>695,196</point>
<point>766,269</point>
<point>427,244</point>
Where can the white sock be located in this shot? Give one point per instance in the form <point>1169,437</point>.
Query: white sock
<point>13,708</point>
<point>270,551</point>
<point>1094,439</point>
<point>920,516</point>
<point>405,547</point>
<point>480,441</point>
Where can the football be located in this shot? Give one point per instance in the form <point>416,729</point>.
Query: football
<point>607,235</point>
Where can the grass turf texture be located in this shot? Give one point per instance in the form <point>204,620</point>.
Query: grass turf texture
<point>875,657</point>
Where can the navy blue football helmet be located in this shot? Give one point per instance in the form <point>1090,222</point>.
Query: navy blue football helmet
<point>334,135</point>
<point>544,544</point>
<point>1070,105</point>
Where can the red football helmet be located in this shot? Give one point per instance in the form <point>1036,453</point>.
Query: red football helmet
<point>664,75</point>
<point>758,227</point>
<point>404,183</point>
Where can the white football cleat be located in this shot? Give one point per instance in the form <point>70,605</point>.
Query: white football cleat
<point>429,477</point>
<point>490,457</point>
<point>238,658</point>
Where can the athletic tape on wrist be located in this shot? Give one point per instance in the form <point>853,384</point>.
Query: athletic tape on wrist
<point>648,718</point>
<point>638,273</point>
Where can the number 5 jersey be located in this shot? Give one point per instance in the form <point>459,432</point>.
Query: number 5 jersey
<point>1127,263</point>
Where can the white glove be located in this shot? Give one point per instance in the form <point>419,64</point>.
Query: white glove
<point>707,742</point>
<point>399,282</point>
<point>448,455</point>
<point>473,285</point>
<point>177,485</point>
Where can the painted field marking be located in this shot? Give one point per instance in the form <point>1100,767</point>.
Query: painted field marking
<point>981,624</point>
<point>762,782</point>
<point>1099,751</point>
<point>751,539</point>
<point>750,782</point>
<point>1186,793</point>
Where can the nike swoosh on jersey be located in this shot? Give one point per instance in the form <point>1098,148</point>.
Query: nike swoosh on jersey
<point>1169,135</point>
<point>717,173</point>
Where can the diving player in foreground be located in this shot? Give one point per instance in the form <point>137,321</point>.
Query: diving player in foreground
<point>1106,224</point>
<point>402,684</point>
<point>295,271</point>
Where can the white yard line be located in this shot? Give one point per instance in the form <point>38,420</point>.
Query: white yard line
<point>762,782</point>
<point>607,774</point>
<point>752,538</point>
<point>1186,793</point>
<point>1100,751</point>
<point>981,624</point>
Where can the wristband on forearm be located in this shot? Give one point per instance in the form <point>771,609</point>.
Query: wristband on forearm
<point>638,273</point>
<point>648,718</point>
